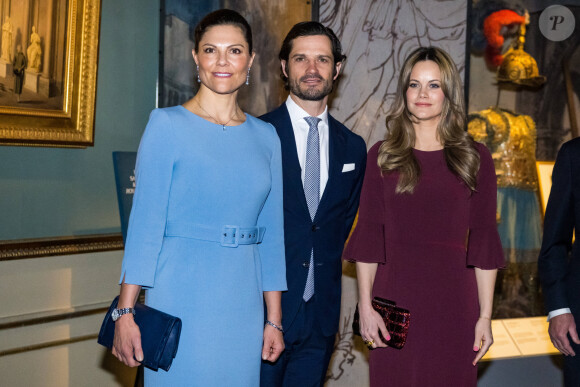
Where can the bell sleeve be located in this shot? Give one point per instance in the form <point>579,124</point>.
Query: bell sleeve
<point>484,248</point>
<point>153,173</point>
<point>272,251</point>
<point>367,242</point>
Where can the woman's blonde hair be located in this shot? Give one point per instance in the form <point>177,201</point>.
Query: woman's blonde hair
<point>396,152</point>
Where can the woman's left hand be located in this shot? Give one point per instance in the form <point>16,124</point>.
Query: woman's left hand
<point>483,338</point>
<point>273,344</point>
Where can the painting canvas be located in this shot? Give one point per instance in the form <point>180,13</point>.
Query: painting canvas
<point>270,22</point>
<point>48,72</point>
<point>33,54</point>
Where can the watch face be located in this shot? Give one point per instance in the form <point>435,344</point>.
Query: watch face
<point>115,314</point>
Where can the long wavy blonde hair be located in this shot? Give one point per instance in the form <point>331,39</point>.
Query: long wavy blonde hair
<point>396,152</point>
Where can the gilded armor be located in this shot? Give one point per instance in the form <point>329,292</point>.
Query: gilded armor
<point>511,139</point>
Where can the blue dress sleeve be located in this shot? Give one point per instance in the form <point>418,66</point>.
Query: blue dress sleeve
<point>272,251</point>
<point>484,248</point>
<point>153,173</point>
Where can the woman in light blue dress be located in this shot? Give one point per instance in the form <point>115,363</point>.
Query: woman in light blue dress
<point>205,234</point>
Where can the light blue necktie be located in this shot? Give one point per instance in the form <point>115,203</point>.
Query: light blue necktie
<point>312,190</point>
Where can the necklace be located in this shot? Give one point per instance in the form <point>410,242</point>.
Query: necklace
<point>212,117</point>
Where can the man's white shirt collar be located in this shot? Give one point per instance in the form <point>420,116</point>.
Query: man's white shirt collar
<point>301,128</point>
<point>296,112</point>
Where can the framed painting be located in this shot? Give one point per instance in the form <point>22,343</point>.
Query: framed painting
<point>48,72</point>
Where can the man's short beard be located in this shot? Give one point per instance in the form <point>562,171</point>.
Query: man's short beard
<point>310,94</point>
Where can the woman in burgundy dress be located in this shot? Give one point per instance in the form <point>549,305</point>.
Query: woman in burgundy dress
<point>426,236</point>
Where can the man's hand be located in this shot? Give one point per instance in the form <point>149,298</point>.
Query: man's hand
<point>560,327</point>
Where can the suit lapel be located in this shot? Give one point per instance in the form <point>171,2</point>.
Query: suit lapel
<point>291,165</point>
<point>292,170</point>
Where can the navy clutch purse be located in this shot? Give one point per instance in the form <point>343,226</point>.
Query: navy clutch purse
<point>159,334</point>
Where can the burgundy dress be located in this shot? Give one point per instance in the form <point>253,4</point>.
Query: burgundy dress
<point>419,241</point>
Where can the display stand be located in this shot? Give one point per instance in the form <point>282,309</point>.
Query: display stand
<point>31,81</point>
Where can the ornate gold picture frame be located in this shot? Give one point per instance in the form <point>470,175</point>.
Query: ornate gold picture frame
<point>69,36</point>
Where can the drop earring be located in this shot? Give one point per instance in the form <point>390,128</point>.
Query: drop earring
<point>248,77</point>
<point>198,80</point>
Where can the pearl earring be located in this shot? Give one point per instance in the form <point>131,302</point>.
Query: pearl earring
<point>198,80</point>
<point>248,77</point>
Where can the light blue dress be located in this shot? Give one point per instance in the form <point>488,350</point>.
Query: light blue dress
<point>193,178</point>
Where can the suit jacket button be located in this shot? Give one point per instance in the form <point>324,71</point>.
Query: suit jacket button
<point>306,264</point>
<point>314,227</point>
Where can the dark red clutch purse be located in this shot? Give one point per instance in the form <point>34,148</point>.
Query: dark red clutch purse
<point>396,319</point>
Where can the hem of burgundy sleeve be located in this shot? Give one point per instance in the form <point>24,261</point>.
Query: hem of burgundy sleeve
<point>485,250</point>
<point>490,267</point>
<point>364,260</point>
<point>366,244</point>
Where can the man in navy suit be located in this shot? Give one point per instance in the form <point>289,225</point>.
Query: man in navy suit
<point>316,225</point>
<point>559,270</point>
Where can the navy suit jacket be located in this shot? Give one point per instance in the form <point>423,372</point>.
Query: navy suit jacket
<point>559,271</point>
<point>327,233</point>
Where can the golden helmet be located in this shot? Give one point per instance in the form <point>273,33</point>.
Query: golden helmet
<point>520,68</point>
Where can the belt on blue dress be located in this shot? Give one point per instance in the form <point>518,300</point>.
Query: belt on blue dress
<point>228,235</point>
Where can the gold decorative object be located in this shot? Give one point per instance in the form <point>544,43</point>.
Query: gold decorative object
<point>544,169</point>
<point>519,67</point>
<point>511,138</point>
<point>73,125</point>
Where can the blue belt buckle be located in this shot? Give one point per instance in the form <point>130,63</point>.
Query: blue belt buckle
<point>226,236</point>
<point>260,234</point>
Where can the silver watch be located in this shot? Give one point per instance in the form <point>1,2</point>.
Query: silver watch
<point>119,312</point>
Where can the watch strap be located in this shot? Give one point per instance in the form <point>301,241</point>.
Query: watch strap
<point>120,312</point>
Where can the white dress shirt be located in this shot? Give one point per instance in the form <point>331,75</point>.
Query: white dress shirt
<point>301,129</point>
<point>558,312</point>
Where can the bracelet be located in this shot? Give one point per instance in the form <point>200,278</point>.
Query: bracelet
<point>270,323</point>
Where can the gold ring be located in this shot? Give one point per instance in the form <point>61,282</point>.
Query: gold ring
<point>369,343</point>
